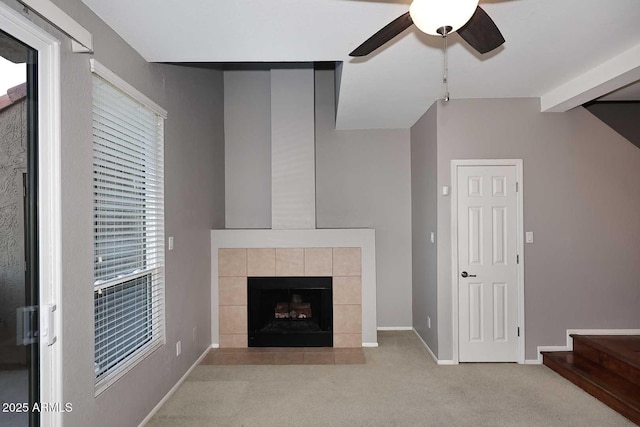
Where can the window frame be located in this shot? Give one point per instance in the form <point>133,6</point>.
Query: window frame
<point>133,359</point>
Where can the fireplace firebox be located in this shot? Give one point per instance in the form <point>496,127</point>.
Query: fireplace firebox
<point>290,311</point>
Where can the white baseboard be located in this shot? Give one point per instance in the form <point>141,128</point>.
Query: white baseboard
<point>215,345</point>
<point>447,362</point>
<point>173,389</point>
<point>395,328</point>
<point>431,353</point>
<point>532,362</point>
<point>424,343</point>
<point>543,348</point>
<point>569,345</point>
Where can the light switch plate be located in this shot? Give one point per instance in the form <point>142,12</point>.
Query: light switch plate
<point>433,237</point>
<point>170,244</point>
<point>528,237</point>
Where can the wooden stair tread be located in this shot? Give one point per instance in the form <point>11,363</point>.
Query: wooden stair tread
<point>618,354</point>
<point>623,347</point>
<point>613,390</point>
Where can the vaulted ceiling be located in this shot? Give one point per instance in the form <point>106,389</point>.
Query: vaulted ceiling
<point>550,45</point>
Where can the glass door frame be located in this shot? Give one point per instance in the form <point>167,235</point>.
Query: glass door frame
<point>48,222</point>
<point>32,282</point>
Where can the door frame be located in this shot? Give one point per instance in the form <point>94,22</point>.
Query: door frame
<point>455,164</point>
<point>49,200</point>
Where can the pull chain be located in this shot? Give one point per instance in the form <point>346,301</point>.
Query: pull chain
<point>445,71</point>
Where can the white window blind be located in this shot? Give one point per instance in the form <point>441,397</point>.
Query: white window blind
<point>128,227</point>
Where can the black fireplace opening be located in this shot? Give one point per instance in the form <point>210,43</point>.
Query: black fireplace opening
<point>290,311</point>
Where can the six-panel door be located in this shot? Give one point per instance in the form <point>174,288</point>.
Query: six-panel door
<point>487,242</point>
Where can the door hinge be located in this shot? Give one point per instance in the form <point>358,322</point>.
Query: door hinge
<point>517,187</point>
<point>518,330</point>
<point>517,259</point>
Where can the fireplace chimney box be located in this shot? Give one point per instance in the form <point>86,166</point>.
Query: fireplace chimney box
<point>293,173</point>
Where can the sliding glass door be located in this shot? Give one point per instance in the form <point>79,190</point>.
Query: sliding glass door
<point>19,355</point>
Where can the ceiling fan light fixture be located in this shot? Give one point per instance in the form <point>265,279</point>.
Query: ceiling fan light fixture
<point>431,15</point>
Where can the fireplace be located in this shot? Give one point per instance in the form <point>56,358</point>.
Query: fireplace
<point>290,311</point>
<point>240,255</point>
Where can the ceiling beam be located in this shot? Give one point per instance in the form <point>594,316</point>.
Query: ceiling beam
<point>606,77</point>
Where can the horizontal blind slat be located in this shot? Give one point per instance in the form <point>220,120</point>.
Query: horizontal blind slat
<point>128,228</point>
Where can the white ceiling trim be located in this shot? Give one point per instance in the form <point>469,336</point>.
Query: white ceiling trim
<point>601,80</point>
<point>81,39</point>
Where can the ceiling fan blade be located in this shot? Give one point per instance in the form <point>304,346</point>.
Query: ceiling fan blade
<point>481,32</point>
<point>387,33</point>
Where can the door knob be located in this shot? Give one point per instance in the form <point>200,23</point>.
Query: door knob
<point>465,274</point>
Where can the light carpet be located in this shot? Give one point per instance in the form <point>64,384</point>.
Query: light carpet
<point>400,385</point>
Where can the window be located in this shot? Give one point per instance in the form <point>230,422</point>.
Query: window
<point>128,199</point>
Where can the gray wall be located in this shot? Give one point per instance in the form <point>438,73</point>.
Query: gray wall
<point>424,192</point>
<point>269,140</point>
<point>247,127</point>
<point>363,179</point>
<point>623,117</point>
<point>13,163</point>
<point>581,199</point>
<point>293,204</point>
<point>194,203</point>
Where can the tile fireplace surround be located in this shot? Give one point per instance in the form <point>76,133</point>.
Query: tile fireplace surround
<point>346,255</point>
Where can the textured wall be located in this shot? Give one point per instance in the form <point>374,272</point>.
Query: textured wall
<point>424,191</point>
<point>269,140</point>
<point>363,179</point>
<point>13,163</point>
<point>581,199</point>
<point>194,203</point>
<point>293,201</point>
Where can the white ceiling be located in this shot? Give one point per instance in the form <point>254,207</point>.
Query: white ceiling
<point>548,43</point>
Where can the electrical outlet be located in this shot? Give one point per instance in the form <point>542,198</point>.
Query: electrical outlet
<point>429,322</point>
<point>178,348</point>
<point>194,334</point>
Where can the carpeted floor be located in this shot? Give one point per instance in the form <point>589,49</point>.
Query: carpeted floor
<point>399,385</point>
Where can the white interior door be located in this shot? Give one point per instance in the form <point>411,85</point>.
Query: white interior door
<point>487,263</point>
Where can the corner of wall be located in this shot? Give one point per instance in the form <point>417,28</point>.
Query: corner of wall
<point>423,138</point>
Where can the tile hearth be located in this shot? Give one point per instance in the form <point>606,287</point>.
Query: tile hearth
<point>285,356</point>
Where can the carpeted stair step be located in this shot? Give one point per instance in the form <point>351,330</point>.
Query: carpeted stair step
<point>621,395</point>
<point>620,354</point>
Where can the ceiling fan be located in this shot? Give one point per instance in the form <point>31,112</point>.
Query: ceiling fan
<point>441,17</point>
